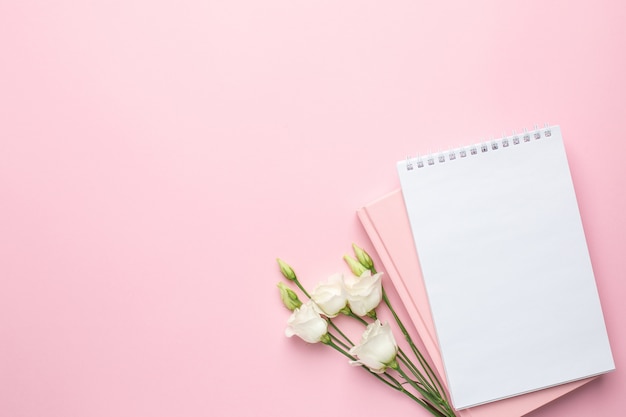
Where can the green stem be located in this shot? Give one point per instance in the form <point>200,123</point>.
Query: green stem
<point>395,384</point>
<point>415,371</point>
<point>424,404</point>
<point>346,338</point>
<point>435,403</point>
<point>338,341</point>
<point>432,396</point>
<point>435,384</point>
<point>360,319</point>
<point>429,372</point>
<point>410,364</point>
<point>301,288</point>
<point>441,393</point>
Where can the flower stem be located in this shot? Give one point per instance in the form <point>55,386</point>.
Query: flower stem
<point>423,403</point>
<point>436,405</point>
<point>434,388</point>
<point>433,397</point>
<point>360,319</point>
<point>429,372</point>
<point>415,371</point>
<point>346,338</point>
<point>301,287</point>
<point>393,383</point>
<point>397,386</point>
<point>338,341</point>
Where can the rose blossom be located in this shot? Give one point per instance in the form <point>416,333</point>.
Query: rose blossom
<point>364,292</point>
<point>306,323</point>
<point>330,296</point>
<point>377,348</point>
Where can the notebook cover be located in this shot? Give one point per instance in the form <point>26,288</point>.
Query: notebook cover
<point>387,225</point>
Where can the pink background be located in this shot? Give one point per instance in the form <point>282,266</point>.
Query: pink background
<point>155,158</point>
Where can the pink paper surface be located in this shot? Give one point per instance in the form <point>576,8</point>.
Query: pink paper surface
<point>388,227</point>
<point>157,156</point>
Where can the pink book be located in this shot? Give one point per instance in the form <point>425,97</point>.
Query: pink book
<point>387,226</point>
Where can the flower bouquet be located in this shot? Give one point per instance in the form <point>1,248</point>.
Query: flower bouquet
<point>358,296</point>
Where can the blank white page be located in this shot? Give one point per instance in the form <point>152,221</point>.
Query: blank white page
<point>506,268</point>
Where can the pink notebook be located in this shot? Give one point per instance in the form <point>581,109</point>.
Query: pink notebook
<point>387,226</point>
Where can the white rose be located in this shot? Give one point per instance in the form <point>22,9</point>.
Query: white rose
<point>364,292</point>
<point>330,296</point>
<point>306,323</point>
<point>377,348</point>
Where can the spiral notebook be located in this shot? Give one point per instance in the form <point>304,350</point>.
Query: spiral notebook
<point>506,268</point>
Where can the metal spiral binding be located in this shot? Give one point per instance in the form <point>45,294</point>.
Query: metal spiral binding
<point>473,150</point>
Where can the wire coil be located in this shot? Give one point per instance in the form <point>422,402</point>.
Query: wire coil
<point>514,139</point>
